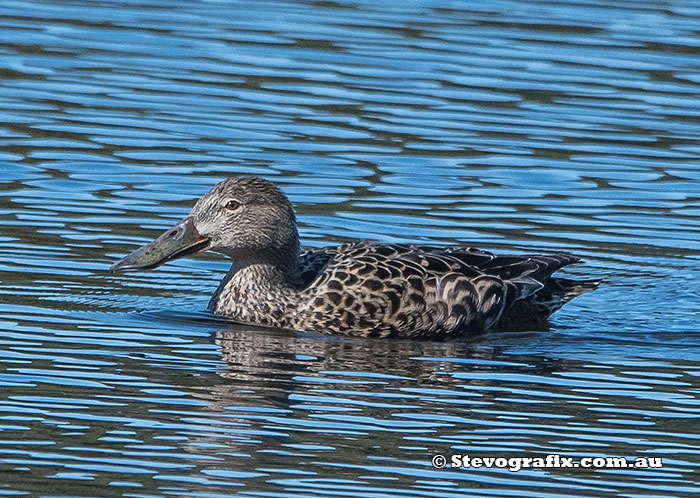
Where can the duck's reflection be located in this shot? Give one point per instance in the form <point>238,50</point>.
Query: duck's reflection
<point>272,367</point>
<point>263,354</point>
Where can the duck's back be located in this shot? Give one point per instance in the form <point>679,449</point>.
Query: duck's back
<point>422,291</point>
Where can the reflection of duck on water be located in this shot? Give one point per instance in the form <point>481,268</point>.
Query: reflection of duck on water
<point>363,289</point>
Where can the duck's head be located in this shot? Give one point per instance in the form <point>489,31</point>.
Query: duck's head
<point>248,219</point>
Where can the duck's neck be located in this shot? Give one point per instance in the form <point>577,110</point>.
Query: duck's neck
<point>277,265</point>
<point>259,288</point>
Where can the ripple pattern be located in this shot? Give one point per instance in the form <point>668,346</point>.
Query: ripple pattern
<point>508,125</point>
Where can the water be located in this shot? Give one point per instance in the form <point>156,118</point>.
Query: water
<point>509,125</point>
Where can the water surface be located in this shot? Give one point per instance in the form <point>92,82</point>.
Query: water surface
<point>510,125</point>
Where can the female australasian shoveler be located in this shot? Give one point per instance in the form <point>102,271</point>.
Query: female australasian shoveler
<point>364,289</point>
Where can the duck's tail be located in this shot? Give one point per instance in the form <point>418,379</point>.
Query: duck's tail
<point>533,312</point>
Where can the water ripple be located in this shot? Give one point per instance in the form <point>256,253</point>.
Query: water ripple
<point>509,125</point>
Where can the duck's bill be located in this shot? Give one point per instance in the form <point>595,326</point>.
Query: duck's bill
<point>181,240</point>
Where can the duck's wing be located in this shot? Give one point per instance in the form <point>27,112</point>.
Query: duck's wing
<point>534,294</point>
<point>312,262</point>
<point>527,273</point>
<point>412,290</point>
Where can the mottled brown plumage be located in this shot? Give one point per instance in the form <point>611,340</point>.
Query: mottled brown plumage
<point>363,289</point>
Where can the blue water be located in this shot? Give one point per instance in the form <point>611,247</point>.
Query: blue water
<point>511,126</point>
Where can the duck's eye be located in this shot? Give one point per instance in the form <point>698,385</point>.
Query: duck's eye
<point>232,205</point>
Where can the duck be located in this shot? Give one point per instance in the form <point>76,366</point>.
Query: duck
<point>362,288</point>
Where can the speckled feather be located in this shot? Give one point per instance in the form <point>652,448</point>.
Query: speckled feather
<point>418,291</point>
<point>409,291</point>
